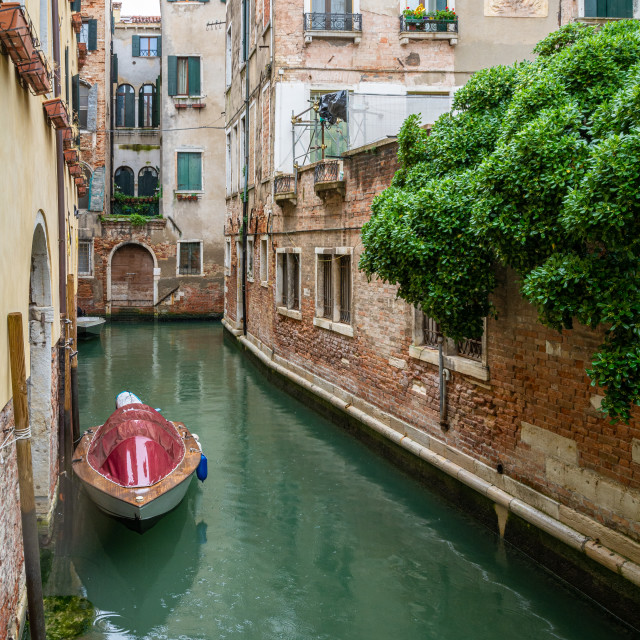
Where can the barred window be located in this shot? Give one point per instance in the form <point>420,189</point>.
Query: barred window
<point>189,259</point>
<point>429,334</point>
<point>85,257</point>
<point>264,260</point>
<point>250,250</point>
<point>333,284</point>
<point>288,279</point>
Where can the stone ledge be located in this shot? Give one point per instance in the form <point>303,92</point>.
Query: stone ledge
<point>289,313</point>
<point>337,327</point>
<point>453,363</point>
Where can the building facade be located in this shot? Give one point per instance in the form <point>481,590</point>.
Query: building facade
<point>534,446</point>
<point>40,187</point>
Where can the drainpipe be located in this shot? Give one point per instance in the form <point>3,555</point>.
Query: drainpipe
<point>245,199</point>
<point>443,375</point>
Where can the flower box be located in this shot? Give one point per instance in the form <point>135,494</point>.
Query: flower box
<point>199,105</point>
<point>16,33</point>
<point>67,138</point>
<point>36,73</point>
<point>187,196</point>
<point>75,170</point>
<point>82,54</point>
<point>76,22</point>
<point>79,180</point>
<point>70,156</point>
<point>181,105</point>
<point>57,112</point>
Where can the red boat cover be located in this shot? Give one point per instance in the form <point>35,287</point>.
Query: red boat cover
<point>136,447</point>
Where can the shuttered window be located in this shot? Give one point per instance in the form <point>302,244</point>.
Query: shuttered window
<point>608,8</point>
<point>189,171</point>
<point>183,75</point>
<point>124,180</point>
<point>92,44</point>
<point>125,106</point>
<point>147,110</point>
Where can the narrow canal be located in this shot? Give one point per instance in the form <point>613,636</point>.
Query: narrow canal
<point>300,532</point>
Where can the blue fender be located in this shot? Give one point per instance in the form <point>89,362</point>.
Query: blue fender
<point>202,469</point>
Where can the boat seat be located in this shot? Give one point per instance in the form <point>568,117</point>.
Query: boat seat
<point>137,461</point>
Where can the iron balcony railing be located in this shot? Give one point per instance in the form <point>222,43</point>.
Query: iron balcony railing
<point>327,171</point>
<point>135,206</point>
<point>333,22</point>
<point>285,184</point>
<point>428,26</point>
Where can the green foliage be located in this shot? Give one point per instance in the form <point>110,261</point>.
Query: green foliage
<point>537,168</point>
<point>137,220</point>
<point>66,617</point>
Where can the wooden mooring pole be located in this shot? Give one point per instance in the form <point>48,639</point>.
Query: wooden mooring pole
<point>25,478</point>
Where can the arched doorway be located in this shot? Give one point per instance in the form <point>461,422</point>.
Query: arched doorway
<point>40,384</point>
<point>132,279</point>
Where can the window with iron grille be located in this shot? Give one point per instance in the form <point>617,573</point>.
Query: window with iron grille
<point>333,285</point>
<point>428,334</point>
<point>85,257</point>
<point>227,255</point>
<point>288,279</point>
<point>264,260</point>
<point>250,250</point>
<point>189,258</point>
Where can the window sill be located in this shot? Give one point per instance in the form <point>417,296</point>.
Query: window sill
<point>190,275</point>
<point>250,279</point>
<point>451,36</point>
<point>356,36</point>
<point>264,283</point>
<point>289,313</point>
<point>453,363</point>
<point>337,327</point>
<point>86,276</point>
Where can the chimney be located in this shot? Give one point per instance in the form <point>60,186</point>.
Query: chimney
<point>115,9</point>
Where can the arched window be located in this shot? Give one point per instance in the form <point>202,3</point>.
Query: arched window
<point>125,106</point>
<point>147,106</point>
<point>124,180</point>
<point>147,181</point>
<point>83,201</point>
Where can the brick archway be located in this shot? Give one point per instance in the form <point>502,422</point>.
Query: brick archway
<point>132,279</point>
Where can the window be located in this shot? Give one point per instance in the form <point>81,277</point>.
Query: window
<point>264,260</point>
<point>147,107</point>
<point>466,356</point>
<point>228,164</point>
<point>146,46</point>
<point>83,201</point>
<point>189,171</point>
<point>334,289</point>
<point>241,155</point>
<point>288,282</point>
<point>124,181</point>
<point>183,76</point>
<point>234,159</point>
<point>89,34</point>
<point>227,256</point>
<point>250,250</point>
<point>147,181</point>
<point>189,258</point>
<point>84,33</point>
<point>266,141</point>
<point>608,8</point>
<point>85,257</point>
<point>125,106</point>
<point>229,52</point>
<point>83,104</point>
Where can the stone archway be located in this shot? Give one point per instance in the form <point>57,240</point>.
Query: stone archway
<point>132,278</point>
<point>41,316</point>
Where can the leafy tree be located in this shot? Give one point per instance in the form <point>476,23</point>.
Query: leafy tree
<point>537,168</point>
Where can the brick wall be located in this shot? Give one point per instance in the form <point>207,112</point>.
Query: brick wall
<point>533,415</point>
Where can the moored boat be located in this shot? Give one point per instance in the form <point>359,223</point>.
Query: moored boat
<point>137,465</point>
<point>89,326</point>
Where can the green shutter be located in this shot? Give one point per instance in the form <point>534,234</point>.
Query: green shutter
<point>155,111</point>
<point>75,93</point>
<point>195,171</point>
<point>130,109</point>
<point>183,171</point>
<point>159,47</point>
<point>172,74</point>
<point>135,46</point>
<point>75,5</point>
<point>194,76</point>
<point>66,75</point>
<point>620,9</point>
<point>114,68</point>
<point>141,107</point>
<point>590,8</point>
<point>441,5</point>
<point>92,45</point>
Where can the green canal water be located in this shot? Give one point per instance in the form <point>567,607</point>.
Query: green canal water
<point>300,532</point>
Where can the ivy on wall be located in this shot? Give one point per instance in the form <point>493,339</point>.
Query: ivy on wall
<point>537,168</point>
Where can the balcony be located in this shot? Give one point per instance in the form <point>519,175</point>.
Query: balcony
<point>57,112</point>
<point>428,29</point>
<point>333,25</point>
<point>140,205</point>
<point>70,156</point>
<point>36,73</point>
<point>285,189</point>
<point>16,32</point>
<point>328,177</point>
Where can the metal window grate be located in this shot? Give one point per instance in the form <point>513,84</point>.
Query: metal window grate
<point>189,258</point>
<point>333,22</point>
<point>345,289</point>
<point>430,331</point>
<point>84,257</point>
<point>295,277</point>
<point>469,348</point>
<point>285,280</point>
<point>327,287</point>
